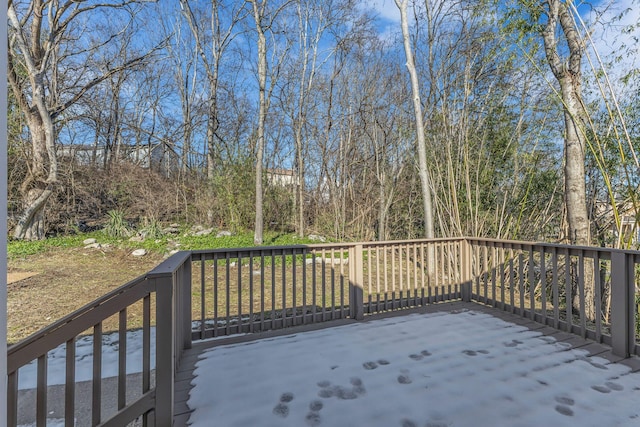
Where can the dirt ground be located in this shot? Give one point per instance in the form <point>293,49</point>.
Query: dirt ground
<point>45,287</point>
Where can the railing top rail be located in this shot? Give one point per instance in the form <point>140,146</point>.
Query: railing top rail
<point>551,245</point>
<point>343,245</point>
<point>399,242</point>
<point>40,343</point>
<point>76,314</point>
<point>272,248</point>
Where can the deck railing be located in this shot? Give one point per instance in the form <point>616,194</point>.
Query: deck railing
<point>587,291</point>
<point>203,294</point>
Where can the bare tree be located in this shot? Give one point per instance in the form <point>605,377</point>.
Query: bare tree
<point>565,60</point>
<point>219,37</point>
<point>264,20</point>
<point>40,44</point>
<point>425,177</point>
<point>568,72</point>
<point>258,16</point>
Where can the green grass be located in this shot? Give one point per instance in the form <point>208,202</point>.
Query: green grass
<point>22,248</point>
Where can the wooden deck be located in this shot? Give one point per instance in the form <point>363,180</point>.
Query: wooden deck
<point>186,372</point>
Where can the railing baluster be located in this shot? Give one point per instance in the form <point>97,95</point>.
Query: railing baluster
<point>96,400</point>
<point>400,276</point>
<point>304,286</point>
<point>532,285</point>
<point>442,274</point>
<point>146,344</point>
<point>294,299</point>
<point>203,293</point>
<point>41,393</point>
<point>333,284</point>
<point>512,285</point>
<point>502,281</point>
<point>521,281</point>
<point>554,285</point>
<point>386,283</point>
<point>436,264</point>
<point>369,264</point>
<point>215,293</point>
<point>415,274</point>
<point>313,287</point>
<point>283,283</point>
<point>273,289</point>
<point>568,285</point>
<point>342,289</point>
<point>485,274</point>
<point>262,291</point>
<point>12,399</point>
<point>239,321</point>
<point>493,275</point>
<point>227,280</point>
<point>477,270</point>
<point>598,295</point>
<point>393,277</point>
<point>581,295</point>
<point>251,292</point>
<point>324,284</point>
<point>543,284</point>
<point>70,383</point>
<point>122,359</point>
<point>422,273</point>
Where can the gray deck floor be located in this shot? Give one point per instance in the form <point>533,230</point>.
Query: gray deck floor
<point>186,373</point>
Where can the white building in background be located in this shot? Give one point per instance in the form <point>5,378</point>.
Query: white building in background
<point>145,156</point>
<point>282,177</point>
<point>629,230</point>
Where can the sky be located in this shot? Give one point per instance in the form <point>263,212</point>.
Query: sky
<point>460,369</point>
<point>612,35</point>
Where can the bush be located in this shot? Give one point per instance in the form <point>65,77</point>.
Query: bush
<point>117,224</point>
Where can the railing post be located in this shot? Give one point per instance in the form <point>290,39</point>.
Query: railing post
<point>465,270</point>
<point>622,300</point>
<point>356,279</point>
<point>165,350</point>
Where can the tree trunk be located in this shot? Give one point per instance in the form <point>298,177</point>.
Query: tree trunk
<point>31,223</point>
<point>569,76</point>
<point>262,112</point>
<point>425,179</point>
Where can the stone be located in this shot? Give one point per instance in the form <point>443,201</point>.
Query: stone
<point>317,238</point>
<point>93,245</point>
<point>204,232</point>
<point>139,252</point>
<point>223,233</point>
<point>89,241</point>
<point>136,239</point>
